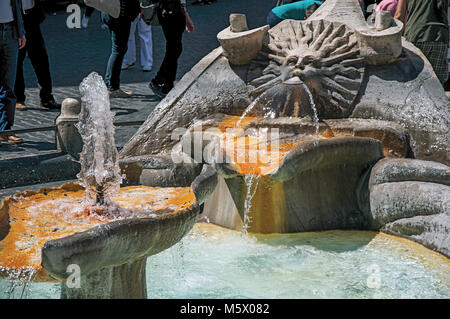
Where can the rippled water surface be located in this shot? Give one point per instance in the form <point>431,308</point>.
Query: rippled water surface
<point>212,262</point>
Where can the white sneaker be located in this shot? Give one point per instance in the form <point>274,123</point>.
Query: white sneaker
<point>84,22</point>
<point>146,68</point>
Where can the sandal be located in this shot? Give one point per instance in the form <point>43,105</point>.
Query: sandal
<point>11,139</point>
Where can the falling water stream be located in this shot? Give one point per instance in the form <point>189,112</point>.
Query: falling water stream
<point>251,181</point>
<point>314,108</point>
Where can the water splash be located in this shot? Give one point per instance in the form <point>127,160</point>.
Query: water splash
<point>19,282</point>
<point>100,172</point>
<point>178,261</point>
<point>251,181</point>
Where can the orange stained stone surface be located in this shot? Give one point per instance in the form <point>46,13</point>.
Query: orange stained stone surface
<point>258,154</point>
<point>55,213</point>
<point>232,121</point>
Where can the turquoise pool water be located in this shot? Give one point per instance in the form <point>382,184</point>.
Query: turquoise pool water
<point>212,262</point>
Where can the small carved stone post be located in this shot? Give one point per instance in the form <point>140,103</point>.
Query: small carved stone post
<point>383,20</point>
<point>68,138</point>
<point>238,22</point>
<point>241,45</point>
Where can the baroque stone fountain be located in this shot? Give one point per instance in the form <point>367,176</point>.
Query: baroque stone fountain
<point>313,125</point>
<point>357,121</point>
<point>92,229</point>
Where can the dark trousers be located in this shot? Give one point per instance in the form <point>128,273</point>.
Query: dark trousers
<point>35,47</point>
<point>272,19</point>
<point>120,31</point>
<point>89,11</point>
<point>8,67</point>
<point>173,27</point>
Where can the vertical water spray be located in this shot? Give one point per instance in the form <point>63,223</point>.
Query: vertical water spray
<point>100,172</point>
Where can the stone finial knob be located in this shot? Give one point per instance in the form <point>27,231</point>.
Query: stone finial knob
<point>383,20</point>
<point>70,107</point>
<point>68,139</point>
<point>238,22</point>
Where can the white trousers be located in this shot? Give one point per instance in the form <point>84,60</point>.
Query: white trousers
<point>146,44</point>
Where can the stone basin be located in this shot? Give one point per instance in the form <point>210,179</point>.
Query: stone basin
<point>307,182</point>
<point>292,131</point>
<point>44,233</point>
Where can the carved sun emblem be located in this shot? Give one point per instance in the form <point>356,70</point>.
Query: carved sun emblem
<point>323,55</point>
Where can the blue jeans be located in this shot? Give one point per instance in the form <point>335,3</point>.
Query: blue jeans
<point>9,49</point>
<point>120,31</point>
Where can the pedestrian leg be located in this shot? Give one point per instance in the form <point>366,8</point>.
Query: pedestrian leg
<point>130,57</point>
<point>146,43</point>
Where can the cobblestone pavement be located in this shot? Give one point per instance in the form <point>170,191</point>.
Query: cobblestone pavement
<point>74,53</point>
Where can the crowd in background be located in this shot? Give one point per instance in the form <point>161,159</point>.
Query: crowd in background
<point>426,26</point>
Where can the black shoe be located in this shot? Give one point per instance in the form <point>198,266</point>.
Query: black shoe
<point>157,89</point>
<point>51,104</point>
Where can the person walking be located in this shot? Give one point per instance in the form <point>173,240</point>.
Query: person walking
<point>427,28</point>
<point>33,16</point>
<point>146,49</point>
<point>12,38</point>
<point>174,19</point>
<point>295,10</point>
<point>120,32</point>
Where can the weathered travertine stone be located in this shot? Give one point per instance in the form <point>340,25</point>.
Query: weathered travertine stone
<point>127,281</point>
<point>383,20</point>
<point>411,198</point>
<point>408,92</point>
<point>238,22</point>
<point>161,170</point>
<point>210,87</point>
<point>397,200</point>
<point>111,257</point>
<point>402,170</point>
<point>220,208</point>
<point>377,45</point>
<point>323,55</point>
<point>239,44</point>
<point>431,231</point>
<point>68,139</point>
<point>307,191</point>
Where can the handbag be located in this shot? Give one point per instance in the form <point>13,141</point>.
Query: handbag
<point>111,7</point>
<point>149,12</point>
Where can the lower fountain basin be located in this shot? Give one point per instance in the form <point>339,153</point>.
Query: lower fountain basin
<point>214,262</point>
<point>43,234</point>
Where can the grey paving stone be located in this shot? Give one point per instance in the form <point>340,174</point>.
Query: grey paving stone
<point>74,53</point>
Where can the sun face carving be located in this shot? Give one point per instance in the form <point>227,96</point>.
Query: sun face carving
<point>323,55</point>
